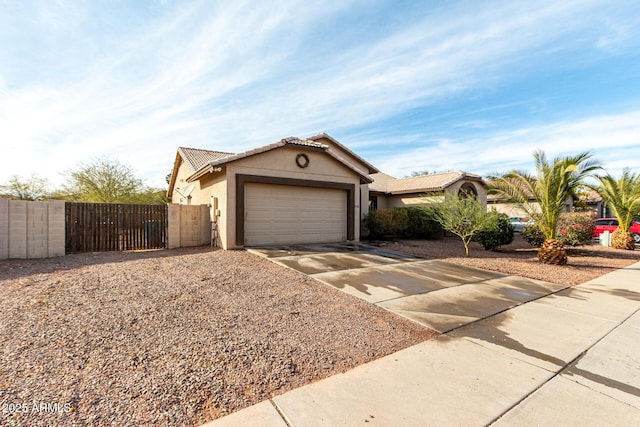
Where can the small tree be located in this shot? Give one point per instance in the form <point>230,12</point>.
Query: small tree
<point>550,188</point>
<point>107,180</point>
<point>462,216</point>
<point>32,188</point>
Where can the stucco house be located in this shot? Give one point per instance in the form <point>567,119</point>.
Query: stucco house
<point>588,199</point>
<point>292,191</point>
<point>389,192</point>
<point>296,191</point>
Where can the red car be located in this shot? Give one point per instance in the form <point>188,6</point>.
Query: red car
<point>611,224</point>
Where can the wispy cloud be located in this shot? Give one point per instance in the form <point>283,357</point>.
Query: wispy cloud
<point>233,75</point>
<point>613,139</point>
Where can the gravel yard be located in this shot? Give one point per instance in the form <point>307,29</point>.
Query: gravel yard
<point>519,258</point>
<point>174,337</point>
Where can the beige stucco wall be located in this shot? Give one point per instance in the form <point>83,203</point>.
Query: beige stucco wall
<point>214,185</point>
<point>364,200</point>
<point>417,199</point>
<point>407,200</point>
<point>208,186</point>
<point>482,192</point>
<point>281,162</point>
<point>509,209</point>
<point>512,210</point>
<point>184,172</point>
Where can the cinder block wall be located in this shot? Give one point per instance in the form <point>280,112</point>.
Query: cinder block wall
<point>31,229</point>
<point>189,225</point>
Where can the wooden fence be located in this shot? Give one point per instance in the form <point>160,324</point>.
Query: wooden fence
<point>94,227</point>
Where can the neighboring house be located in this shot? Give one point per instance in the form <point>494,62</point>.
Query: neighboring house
<point>511,210</point>
<point>290,192</point>
<point>389,192</point>
<point>593,201</point>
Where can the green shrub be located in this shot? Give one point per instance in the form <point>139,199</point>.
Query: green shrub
<point>413,222</point>
<point>421,224</point>
<point>386,222</point>
<point>496,230</point>
<point>576,228</point>
<point>533,235</point>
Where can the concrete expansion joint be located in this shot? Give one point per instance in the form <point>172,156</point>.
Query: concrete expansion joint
<point>567,366</point>
<point>279,411</point>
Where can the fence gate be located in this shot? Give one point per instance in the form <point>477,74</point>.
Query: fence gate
<point>96,227</point>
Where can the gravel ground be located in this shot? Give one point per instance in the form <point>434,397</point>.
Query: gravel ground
<point>174,337</point>
<point>519,258</point>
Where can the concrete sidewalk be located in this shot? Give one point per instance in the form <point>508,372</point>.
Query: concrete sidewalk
<point>571,358</point>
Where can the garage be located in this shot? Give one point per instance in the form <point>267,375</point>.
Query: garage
<point>289,214</point>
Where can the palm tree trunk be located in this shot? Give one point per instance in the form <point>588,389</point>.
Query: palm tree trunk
<point>620,240</point>
<point>552,252</point>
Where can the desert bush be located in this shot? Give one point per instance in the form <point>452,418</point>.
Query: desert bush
<point>421,224</point>
<point>386,222</point>
<point>495,231</point>
<point>576,228</point>
<point>462,216</point>
<point>533,235</point>
<point>413,222</point>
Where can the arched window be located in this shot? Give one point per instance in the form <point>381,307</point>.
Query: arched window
<point>467,189</point>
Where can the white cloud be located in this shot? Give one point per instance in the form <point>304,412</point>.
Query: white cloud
<point>613,139</point>
<point>233,75</point>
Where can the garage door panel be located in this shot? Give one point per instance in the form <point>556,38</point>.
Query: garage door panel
<point>283,214</point>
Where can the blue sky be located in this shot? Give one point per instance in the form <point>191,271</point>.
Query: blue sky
<point>435,85</point>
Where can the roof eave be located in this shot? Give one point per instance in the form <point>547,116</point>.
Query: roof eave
<point>370,167</point>
<point>174,173</point>
<point>419,191</point>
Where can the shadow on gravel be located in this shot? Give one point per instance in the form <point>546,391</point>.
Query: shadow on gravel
<point>14,268</point>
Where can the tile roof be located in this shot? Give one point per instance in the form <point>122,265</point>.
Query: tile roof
<point>431,182</point>
<point>590,196</point>
<point>196,158</point>
<point>290,141</point>
<point>372,169</point>
<point>380,181</point>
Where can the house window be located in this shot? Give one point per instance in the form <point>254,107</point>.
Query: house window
<point>373,203</point>
<point>467,190</point>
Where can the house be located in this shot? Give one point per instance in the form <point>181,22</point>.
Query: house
<point>296,191</point>
<point>389,192</point>
<point>591,200</point>
<point>512,210</point>
<point>293,191</point>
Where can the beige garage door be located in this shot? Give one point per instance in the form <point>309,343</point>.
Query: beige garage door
<point>284,214</point>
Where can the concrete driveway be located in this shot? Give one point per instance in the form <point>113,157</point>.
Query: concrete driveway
<point>437,294</point>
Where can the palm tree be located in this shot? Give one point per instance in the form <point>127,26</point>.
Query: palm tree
<point>622,196</point>
<point>543,196</point>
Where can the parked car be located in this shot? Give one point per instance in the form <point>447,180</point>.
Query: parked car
<point>519,223</point>
<point>611,225</point>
